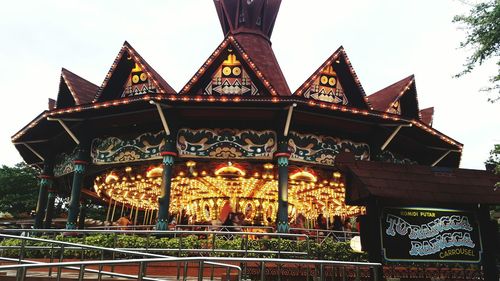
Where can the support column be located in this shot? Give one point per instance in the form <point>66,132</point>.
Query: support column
<point>168,154</point>
<point>81,163</point>
<point>45,185</point>
<point>49,214</point>
<point>282,156</point>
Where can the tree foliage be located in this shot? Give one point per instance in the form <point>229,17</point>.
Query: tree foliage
<point>18,189</point>
<point>494,159</point>
<point>483,36</point>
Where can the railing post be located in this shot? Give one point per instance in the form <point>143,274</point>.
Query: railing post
<point>357,273</point>
<point>262,271</point>
<point>21,254</point>
<point>21,274</point>
<point>184,276</point>
<point>321,277</point>
<point>200,271</point>
<point>81,274</point>
<point>61,258</point>
<point>141,271</point>
<point>99,274</point>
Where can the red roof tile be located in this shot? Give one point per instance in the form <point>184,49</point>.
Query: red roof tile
<point>427,115</point>
<point>260,52</point>
<point>418,183</point>
<point>82,90</point>
<point>382,100</point>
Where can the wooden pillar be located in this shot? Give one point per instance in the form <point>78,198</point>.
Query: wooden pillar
<point>282,156</point>
<point>81,162</point>
<point>169,152</point>
<point>46,179</point>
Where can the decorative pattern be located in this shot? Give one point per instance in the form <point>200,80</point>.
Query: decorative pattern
<point>79,168</point>
<point>168,160</point>
<point>116,150</point>
<point>326,87</point>
<point>138,83</point>
<point>231,79</point>
<point>226,143</point>
<point>282,161</point>
<point>323,149</point>
<point>64,163</point>
<point>395,108</point>
<point>389,157</point>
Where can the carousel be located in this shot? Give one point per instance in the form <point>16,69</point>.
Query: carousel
<point>235,138</point>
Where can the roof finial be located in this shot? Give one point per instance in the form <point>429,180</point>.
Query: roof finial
<point>247,16</point>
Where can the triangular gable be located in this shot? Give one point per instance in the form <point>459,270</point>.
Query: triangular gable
<point>74,90</point>
<point>230,70</point>
<point>427,116</point>
<point>399,98</point>
<point>131,75</point>
<point>335,82</point>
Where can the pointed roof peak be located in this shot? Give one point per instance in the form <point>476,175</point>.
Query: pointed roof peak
<point>81,90</point>
<point>337,74</point>
<point>247,16</point>
<point>427,116</point>
<point>382,99</point>
<point>125,61</point>
<point>398,98</point>
<point>258,61</point>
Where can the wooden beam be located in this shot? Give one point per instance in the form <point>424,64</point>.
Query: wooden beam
<point>66,128</point>
<point>33,150</point>
<point>441,158</point>
<point>288,119</point>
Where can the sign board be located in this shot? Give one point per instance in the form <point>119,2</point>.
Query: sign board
<point>430,235</point>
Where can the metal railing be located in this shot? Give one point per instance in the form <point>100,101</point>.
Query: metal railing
<point>210,241</point>
<point>58,248</point>
<point>313,269</point>
<point>140,264</point>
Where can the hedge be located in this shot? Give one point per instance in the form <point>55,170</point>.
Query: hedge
<point>329,249</point>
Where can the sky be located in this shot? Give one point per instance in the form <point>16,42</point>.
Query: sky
<point>385,41</point>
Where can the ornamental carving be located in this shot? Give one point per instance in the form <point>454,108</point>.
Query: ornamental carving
<point>323,149</point>
<point>119,150</point>
<point>389,157</point>
<point>226,143</point>
<point>64,163</point>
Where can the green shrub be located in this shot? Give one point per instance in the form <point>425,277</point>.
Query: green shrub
<point>329,249</point>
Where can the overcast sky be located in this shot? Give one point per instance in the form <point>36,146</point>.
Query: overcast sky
<point>385,41</point>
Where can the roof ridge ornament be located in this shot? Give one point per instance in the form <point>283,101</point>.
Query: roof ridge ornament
<point>250,16</point>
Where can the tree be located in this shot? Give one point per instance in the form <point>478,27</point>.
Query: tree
<point>18,189</point>
<point>483,35</point>
<point>494,160</point>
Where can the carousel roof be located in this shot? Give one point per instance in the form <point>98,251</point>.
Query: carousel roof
<point>242,72</point>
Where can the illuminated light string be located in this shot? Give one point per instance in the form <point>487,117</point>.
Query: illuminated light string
<point>245,57</point>
<point>204,194</point>
<point>75,97</point>
<point>235,99</point>
<point>405,89</point>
